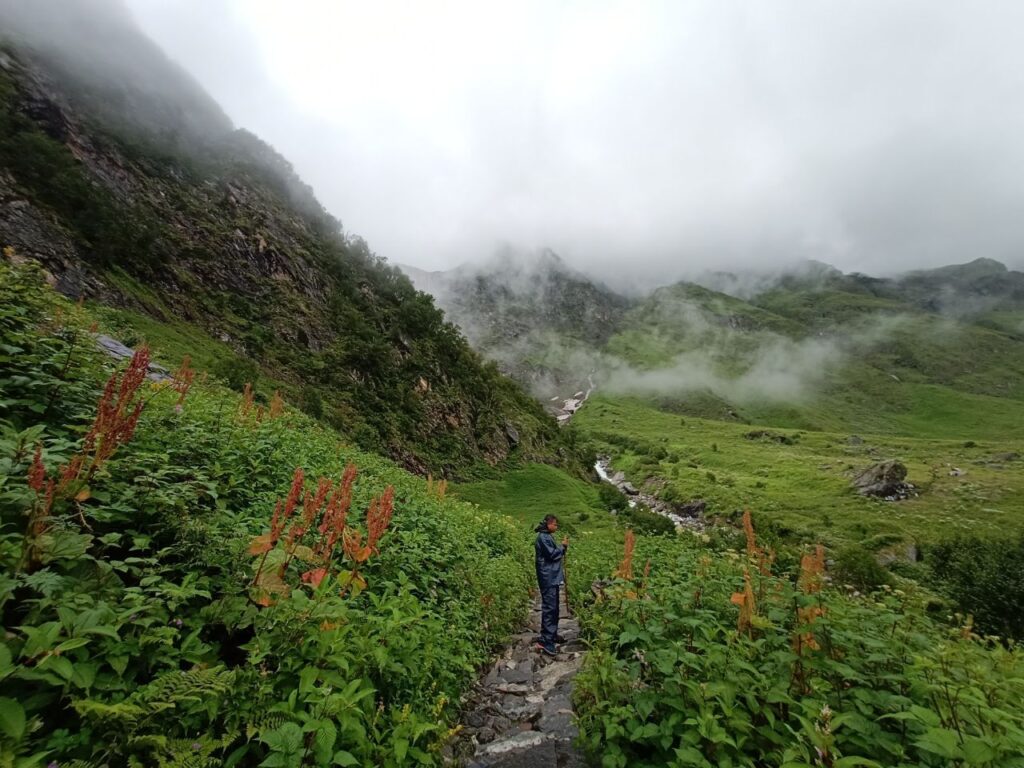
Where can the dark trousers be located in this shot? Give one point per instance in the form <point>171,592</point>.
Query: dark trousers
<point>548,616</point>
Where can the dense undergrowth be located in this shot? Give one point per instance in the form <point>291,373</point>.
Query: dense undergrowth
<point>157,610</point>
<point>724,658</point>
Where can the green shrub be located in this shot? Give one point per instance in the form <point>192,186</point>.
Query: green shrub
<point>236,372</point>
<point>882,540</point>
<point>612,498</point>
<point>984,577</point>
<point>857,566</point>
<point>670,494</point>
<point>642,520</point>
<point>312,403</point>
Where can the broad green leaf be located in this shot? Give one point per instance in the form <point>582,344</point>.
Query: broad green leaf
<point>855,762</point>
<point>12,718</point>
<point>978,751</point>
<point>401,748</point>
<point>939,741</point>
<point>74,642</point>
<point>58,664</point>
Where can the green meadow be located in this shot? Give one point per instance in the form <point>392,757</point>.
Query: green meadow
<point>804,486</point>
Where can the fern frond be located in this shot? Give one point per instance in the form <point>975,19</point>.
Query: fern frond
<point>194,685</point>
<point>101,712</point>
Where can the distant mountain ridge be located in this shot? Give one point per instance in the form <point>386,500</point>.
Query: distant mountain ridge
<point>815,347</point>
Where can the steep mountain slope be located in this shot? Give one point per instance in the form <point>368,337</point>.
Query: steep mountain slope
<point>131,187</point>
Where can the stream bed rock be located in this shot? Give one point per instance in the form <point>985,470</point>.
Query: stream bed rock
<point>685,514</point>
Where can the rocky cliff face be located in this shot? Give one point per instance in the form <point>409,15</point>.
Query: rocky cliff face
<point>135,190</point>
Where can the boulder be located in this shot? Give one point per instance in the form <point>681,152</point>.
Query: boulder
<point>693,508</point>
<point>885,480</point>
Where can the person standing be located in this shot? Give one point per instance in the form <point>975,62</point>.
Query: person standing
<point>550,578</point>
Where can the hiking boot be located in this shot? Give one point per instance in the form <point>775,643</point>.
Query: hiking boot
<point>541,648</point>
<point>558,639</point>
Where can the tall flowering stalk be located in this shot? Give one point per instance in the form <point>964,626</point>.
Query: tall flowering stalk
<point>45,490</point>
<point>748,605</point>
<point>310,524</point>
<point>438,488</point>
<point>183,378</point>
<point>36,471</point>
<point>378,518</point>
<point>263,545</point>
<point>332,527</point>
<point>758,555</point>
<point>245,407</point>
<point>625,569</point>
<point>812,567</point>
<point>117,415</point>
<point>276,405</point>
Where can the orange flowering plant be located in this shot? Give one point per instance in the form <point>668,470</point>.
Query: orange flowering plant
<point>307,526</point>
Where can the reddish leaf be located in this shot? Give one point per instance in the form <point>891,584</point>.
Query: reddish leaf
<point>314,576</point>
<point>261,544</point>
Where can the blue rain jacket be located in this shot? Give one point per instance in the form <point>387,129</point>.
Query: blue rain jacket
<point>549,561</point>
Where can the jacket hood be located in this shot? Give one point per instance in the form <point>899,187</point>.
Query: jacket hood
<point>542,527</point>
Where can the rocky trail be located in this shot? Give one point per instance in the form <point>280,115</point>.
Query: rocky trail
<point>519,715</point>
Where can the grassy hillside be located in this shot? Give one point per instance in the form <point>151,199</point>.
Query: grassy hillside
<point>151,615</point>
<point>527,495</point>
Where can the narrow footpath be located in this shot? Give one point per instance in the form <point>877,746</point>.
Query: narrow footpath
<point>519,715</point>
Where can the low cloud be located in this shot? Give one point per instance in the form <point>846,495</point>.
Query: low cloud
<point>783,371</point>
<point>643,143</point>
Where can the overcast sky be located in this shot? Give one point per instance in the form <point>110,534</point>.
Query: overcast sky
<point>874,135</point>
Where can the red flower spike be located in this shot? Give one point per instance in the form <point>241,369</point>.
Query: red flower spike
<point>183,378</point>
<point>352,543</point>
<point>70,472</point>
<point>37,472</point>
<point>379,517</point>
<point>625,569</point>
<point>312,504</point>
<point>117,413</point>
<point>294,493</point>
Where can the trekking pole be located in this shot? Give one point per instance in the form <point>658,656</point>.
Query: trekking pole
<point>565,580</point>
